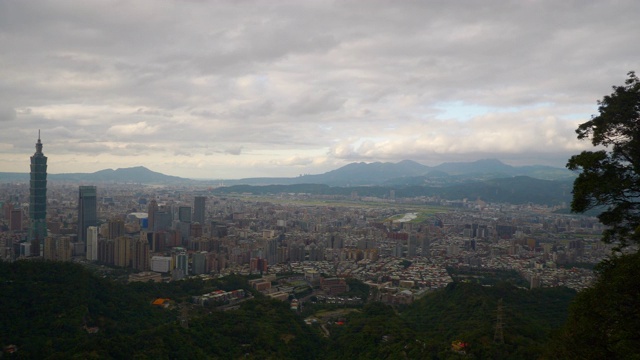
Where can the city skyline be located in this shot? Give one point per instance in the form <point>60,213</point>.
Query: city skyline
<point>233,90</point>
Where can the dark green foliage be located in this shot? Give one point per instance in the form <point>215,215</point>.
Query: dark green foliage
<point>611,177</point>
<point>357,288</point>
<point>484,276</point>
<point>604,320</point>
<point>468,312</point>
<point>375,333</point>
<point>405,263</point>
<point>515,190</point>
<point>45,306</point>
<point>184,290</point>
<point>260,329</point>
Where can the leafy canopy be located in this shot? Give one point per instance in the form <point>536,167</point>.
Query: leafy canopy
<point>610,177</point>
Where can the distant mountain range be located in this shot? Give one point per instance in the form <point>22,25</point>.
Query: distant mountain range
<point>403,173</point>
<point>513,190</point>
<point>137,175</point>
<point>488,180</point>
<point>409,172</point>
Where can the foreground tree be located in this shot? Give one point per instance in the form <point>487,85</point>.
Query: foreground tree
<point>604,320</point>
<point>610,177</point>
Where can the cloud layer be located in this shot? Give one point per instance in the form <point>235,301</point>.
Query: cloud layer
<point>257,88</point>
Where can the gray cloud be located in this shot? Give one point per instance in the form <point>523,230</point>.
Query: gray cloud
<point>234,150</point>
<point>317,83</point>
<point>316,103</point>
<point>7,113</point>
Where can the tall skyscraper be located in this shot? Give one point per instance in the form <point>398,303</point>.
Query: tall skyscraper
<point>87,211</point>
<point>38,196</point>
<point>199,209</point>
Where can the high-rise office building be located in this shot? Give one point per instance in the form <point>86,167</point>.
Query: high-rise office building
<point>199,263</point>
<point>92,243</point>
<point>57,249</point>
<point>199,209</point>
<point>49,248</point>
<point>140,255</point>
<point>15,221</point>
<point>271,250</point>
<point>106,251</point>
<point>182,263</point>
<point>152,209</point>
<point>38,196</point>
<point>162,221</point>
<point>411,246</point>
<point>115,228</point>
<point>184,214</point>
<point>426,246</point>
<point>63,248</point>
<point>87,211</point>
<point>122,253</point>
<point>7,207</point>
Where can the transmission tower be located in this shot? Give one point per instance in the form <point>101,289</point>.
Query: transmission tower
<point>498,337</point>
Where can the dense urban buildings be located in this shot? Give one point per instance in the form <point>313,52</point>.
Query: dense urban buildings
<point>405,243</point>
<point>402,246</point>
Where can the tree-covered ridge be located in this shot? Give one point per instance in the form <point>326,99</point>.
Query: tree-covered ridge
<point>47,307</point>
<point>462,312</point>
<point>50,308</point>
<point>604,320</point>
<point>469,312</point>
<point>515,190</point>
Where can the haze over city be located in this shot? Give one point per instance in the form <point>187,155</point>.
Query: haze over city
<point>247,89</point>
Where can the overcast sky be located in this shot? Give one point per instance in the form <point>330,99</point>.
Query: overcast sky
<point>231,89</point>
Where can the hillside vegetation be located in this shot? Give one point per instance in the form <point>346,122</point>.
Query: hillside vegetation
<point>51,310</point>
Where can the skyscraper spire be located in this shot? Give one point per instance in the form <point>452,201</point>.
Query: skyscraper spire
<point>39,146</point>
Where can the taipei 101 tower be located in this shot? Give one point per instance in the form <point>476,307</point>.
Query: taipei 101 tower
<point>38,198</point>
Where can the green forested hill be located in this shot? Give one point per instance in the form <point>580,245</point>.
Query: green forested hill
<point>469,312</point>
<point>45,308</point>
<point>462,311</point>
<point>516,190</point>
